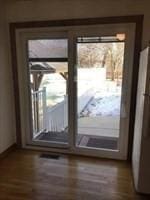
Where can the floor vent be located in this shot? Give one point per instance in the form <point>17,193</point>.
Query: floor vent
<point>49,156</point>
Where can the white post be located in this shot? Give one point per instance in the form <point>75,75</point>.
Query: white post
<point>44,108</point>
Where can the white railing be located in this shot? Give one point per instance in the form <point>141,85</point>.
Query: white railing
<point>38,110</point>
<point>57,117</point>
<point>54,119</point>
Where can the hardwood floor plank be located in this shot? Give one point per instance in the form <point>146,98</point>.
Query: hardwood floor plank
<point>24,175</point>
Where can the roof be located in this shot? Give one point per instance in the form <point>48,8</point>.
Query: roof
<point>45,68</point>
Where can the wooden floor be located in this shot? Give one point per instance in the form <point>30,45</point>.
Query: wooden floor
<point>26,176</point>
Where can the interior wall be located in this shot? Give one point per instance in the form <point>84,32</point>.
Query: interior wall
<point>27,10</point>
<point>35,10</point>
<point>7,117</point>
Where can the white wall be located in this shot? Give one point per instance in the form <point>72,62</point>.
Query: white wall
<point>7,117</point>
<point>19,10</point>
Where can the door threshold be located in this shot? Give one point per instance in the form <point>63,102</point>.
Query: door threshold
<point>80,151</point>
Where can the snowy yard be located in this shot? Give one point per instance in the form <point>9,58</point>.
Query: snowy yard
<point>103,105</point>
<point>105,95</point>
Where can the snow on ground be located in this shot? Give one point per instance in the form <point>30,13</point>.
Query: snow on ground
<point>105,102</point>
<point>107,98</point>
<point>103,105</point>
<point>55,88</point>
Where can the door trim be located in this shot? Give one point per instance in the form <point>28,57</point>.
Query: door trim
<point>129,30</point>
<point>137,19</point>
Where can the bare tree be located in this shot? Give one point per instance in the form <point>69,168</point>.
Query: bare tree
<point>109,55</point>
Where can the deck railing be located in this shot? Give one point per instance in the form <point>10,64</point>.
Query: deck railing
<point>57,116</point>
<point>38,110</point>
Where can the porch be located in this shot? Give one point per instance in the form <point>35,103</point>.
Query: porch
<point>94,132</point>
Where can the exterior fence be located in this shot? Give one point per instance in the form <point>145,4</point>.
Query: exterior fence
<point>54,119</point>
<point>38,110</point>
<point>57,116</point>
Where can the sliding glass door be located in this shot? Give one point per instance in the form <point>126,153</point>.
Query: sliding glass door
<point>48,67</point>
<point>102,82</point>
<point>76,85</point>
<point>100,63</point>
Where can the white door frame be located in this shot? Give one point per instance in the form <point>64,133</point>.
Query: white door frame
<point>109,30</point>
<point>22,35</point>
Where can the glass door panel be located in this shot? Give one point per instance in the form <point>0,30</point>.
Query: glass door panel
<point>48,68</point>
<point>75,88</point>
<point>99,90</point>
